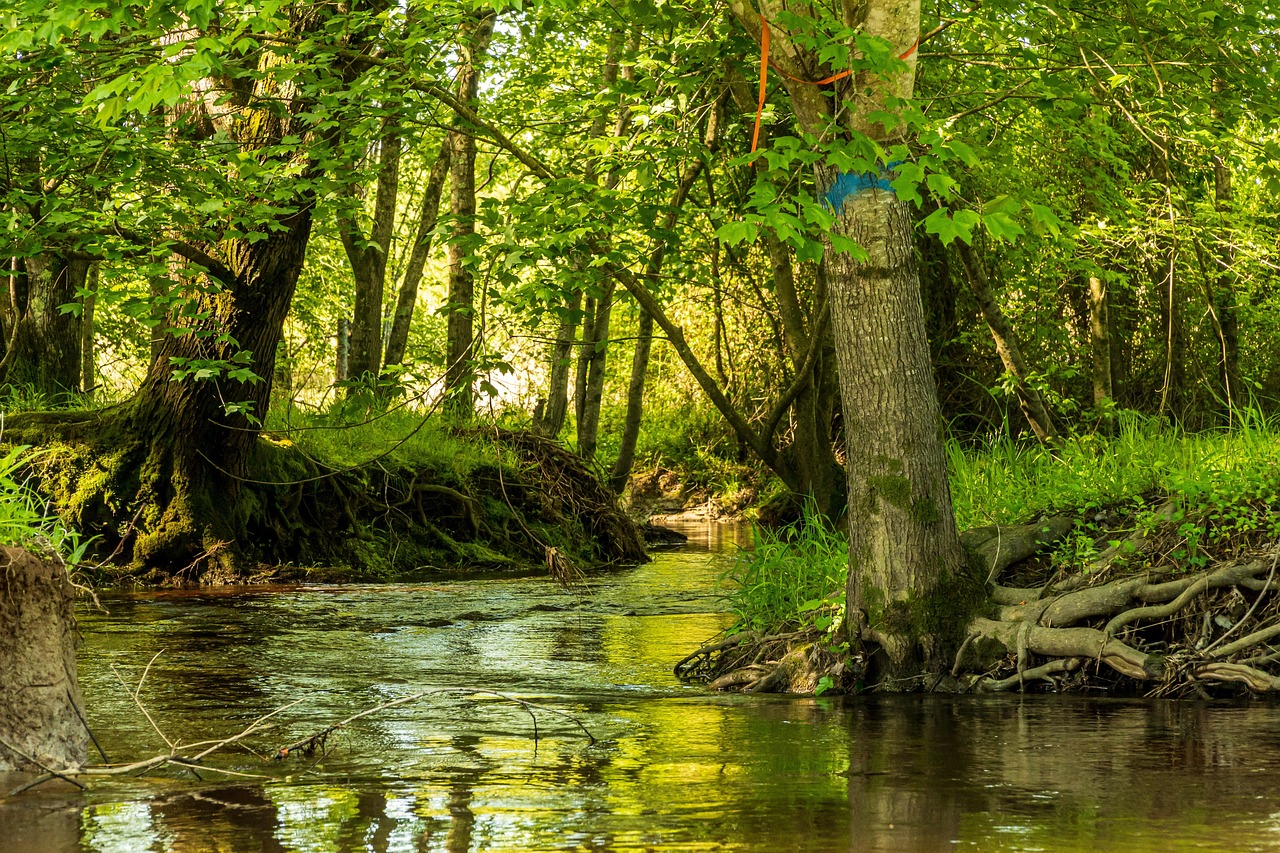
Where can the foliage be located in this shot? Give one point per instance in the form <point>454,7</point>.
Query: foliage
<point>791,577</point>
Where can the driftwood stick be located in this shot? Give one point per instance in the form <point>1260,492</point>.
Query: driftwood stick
<point>309,744</point>
<point>134,695</point>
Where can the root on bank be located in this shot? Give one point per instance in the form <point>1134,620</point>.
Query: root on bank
<point>480,498</point>
<point>1131,621</point>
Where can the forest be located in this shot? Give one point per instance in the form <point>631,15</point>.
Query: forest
<point>899,347</point>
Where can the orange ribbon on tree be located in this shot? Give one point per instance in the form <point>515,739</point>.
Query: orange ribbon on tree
<point>764,75</point>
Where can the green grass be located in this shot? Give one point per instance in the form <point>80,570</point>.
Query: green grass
<point>25,520</point>
<point>1223,485</point>
<point>347,435</point>
<point>790,577</point>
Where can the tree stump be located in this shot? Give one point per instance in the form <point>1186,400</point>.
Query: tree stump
<point>39,693</point>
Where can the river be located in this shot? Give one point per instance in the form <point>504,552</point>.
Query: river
<point>672,767</point>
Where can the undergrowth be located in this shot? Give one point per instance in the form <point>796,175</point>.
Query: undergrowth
<point>1210,495</point>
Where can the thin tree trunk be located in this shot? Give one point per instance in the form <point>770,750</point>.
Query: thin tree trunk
<point>1224,302</point>
<point>621,471</point>
<point>1100,343</point>
<point>368,258</point>
<point>585,351</point>
<point>88,353</point>
<point>1007,345</point>
<point>557,405</point>
<point>462,205</point>
<point>593,392</point>
<point>342,364</point>
<point>407,298</point>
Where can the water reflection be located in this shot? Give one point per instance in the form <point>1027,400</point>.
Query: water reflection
<point>673,768</point>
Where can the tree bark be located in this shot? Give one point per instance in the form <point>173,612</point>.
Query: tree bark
<point>1224,301</point>
<point>1032,405</point>
<point>462,205</point>
<point>43,347</point>
<point>40,703</point>
<point>88,353</point>
<point>557,405</point>
<point>621,470</point>
<point>903,545</point>
<point>407,297</point>
<point>595,351</point>
<point>368,259</point>
<point>1100,343</point>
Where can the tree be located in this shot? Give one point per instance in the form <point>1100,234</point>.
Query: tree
<point>903,544</point>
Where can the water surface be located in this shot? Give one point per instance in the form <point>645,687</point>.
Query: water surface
<point>673,768</point>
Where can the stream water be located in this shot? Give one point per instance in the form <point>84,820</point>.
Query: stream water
<point>673,767</point>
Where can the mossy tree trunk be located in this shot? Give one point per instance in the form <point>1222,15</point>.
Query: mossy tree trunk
<point>194,453</point>
<point>903,544</point>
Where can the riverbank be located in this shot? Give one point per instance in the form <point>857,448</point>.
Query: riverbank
<point>394,496</point>
<point>1147,566</point>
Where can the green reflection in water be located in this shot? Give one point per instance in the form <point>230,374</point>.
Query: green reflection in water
<point>674,769</point>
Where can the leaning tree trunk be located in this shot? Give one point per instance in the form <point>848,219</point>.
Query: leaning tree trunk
<point>43,348</point>
<point>191,454</point>
<point>40,718</point>
<point>1010,352</point>
<point>462,204</point>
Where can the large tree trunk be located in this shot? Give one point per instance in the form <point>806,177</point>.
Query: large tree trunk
<point>462,204</point>
<point>193,452</point>
<point>41,721</point>
<point>43,345</point>
<point>904,549</point>
<point>1029,399</point>
<point>903,543</point>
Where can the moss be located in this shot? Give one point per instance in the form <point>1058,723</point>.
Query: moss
<point>894,489</point>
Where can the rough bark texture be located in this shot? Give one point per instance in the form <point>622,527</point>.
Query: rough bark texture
<point>462,204</point>
<point>1032,405</point>
<point>903,542</point>
<point>43,343</point>
<point>39,694</point>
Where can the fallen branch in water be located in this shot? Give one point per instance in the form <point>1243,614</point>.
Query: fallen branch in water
<point>309,745</point>
<point>191,756</point>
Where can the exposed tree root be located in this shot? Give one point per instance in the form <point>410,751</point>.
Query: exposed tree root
<point>1130,622</point>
